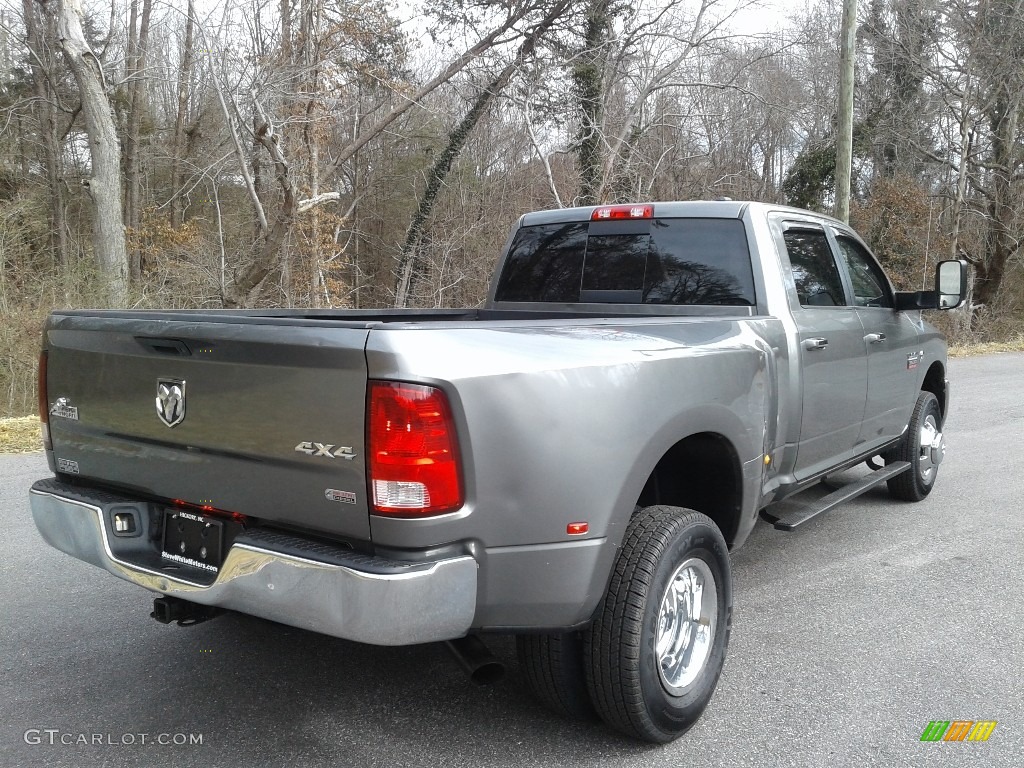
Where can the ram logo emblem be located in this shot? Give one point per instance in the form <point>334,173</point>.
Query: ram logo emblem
<point>170,401</point>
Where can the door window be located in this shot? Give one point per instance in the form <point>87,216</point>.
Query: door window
<point>870,288</point>
<point>814,269</point>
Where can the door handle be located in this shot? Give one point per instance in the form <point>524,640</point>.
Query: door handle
<point>815,344</point>
<point>875,338</point>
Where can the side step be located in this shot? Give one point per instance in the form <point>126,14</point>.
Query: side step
<point>788,514</point>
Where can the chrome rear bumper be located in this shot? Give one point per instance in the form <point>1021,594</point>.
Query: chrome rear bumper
<point>338,593</point>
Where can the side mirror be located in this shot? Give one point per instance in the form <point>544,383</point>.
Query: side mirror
<point>950,284</point>
<point>950,289</point>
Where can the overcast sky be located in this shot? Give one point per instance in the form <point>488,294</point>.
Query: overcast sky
<point>767,15</point>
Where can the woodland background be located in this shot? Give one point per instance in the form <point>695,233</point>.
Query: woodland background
<point>363,153</point>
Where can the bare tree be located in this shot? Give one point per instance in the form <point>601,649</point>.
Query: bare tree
<point>456,141</point>
<point>104,183</point>
<point>38,30</point>
<point>183,86</point>
<point>589,75</point>
<point>977,72</point>
<point>999,177</point>
<point>619,73</point>
<point>274,236</point>
<point>138,45</point>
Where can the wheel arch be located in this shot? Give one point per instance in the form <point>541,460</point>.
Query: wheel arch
<point>935,382</point>
<point>707,459</point>
<point>702,472</point>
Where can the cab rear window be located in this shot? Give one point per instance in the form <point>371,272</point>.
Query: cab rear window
<point>654,261</point>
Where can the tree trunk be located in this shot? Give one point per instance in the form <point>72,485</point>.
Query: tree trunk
<point>471,54</point>
<point>310,72</point>
<point>243,286</point>
<point>104,183</point>
<point>1000,242</point>
<point>42,67</point>
<point>136,94</point>
<point>178,142</point>
<point>259,182</point>
<point>588,79</point>
<point>407,261</point>
<point>268,258</point>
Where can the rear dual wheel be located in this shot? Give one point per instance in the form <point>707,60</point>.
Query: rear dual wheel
<point>651,659</point>
<point>552,666</point>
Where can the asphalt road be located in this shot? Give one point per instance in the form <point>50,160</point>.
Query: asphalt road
<point>850,635</point>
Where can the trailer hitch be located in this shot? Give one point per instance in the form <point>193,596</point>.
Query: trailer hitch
<point>185,613</point>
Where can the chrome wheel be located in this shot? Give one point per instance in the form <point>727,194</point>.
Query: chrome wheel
<point>686,625</point>
<point>931,450</point>
<point>655,649</point>
<point>921,445</point>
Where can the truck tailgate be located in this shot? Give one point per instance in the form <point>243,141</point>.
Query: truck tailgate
<point>269,423</point>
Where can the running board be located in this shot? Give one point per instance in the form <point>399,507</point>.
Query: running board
<point>787,515</point>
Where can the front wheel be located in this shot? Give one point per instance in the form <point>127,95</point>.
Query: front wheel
<point>655,650</point>
<point>923,446</point>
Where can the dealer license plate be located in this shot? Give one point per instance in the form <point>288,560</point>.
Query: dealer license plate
<point>194,540</point>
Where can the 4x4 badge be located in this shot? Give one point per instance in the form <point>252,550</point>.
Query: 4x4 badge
<point>327,450</point>
<point>170,401</point>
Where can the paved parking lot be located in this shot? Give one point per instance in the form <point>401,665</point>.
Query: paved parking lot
<point>850,635</point>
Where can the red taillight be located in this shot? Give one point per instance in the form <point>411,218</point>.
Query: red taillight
<point>610,212</point>
<point>414,456</point>
<point>44,403</point>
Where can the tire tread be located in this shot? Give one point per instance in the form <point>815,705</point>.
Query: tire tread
<point>613,642</point>
<point>907,486</point>
<point>553,671</point>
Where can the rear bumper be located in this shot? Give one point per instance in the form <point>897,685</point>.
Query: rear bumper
<point>297,582</point>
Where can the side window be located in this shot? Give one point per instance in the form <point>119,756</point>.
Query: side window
<point>814,269</point>
<point>870,288</point>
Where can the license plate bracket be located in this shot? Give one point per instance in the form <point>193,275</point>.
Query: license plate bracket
<point>193,540</point>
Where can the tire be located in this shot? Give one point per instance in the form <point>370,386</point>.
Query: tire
<point>922,445</point>
<point>552,666</point>
<point>634,689</point>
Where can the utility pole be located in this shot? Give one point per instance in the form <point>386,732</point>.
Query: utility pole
<point>844,140</point>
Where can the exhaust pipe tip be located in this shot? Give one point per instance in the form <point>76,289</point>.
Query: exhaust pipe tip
<point>488,673</point>
<point>476,660</point>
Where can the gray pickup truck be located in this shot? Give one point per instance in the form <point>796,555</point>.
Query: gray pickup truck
<point>570,463</point>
